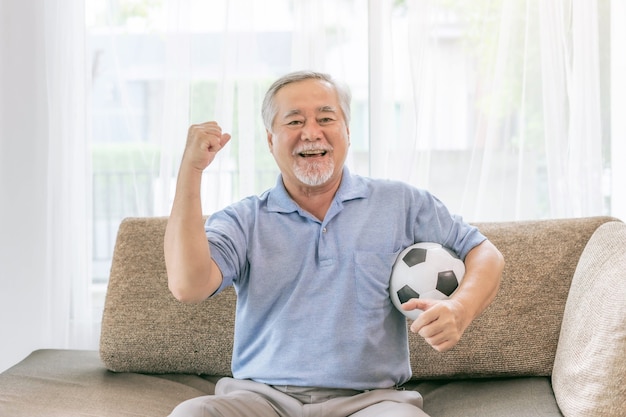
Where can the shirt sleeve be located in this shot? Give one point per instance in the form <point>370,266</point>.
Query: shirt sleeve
<point>226,232</point>
<point>435,223</point>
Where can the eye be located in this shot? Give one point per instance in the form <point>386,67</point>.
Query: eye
<point>326,120</point>
<point>294,123</point>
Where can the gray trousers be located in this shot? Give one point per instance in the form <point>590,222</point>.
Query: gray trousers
<point>244,398</point>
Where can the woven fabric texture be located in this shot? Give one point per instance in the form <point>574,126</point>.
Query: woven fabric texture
<point>589,375</point>
<point>517,335</point>
<point>144,329</point>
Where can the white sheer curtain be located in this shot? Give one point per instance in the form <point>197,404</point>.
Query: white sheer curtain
<point>501,108</point>
<point>68,247</point>
<point>618,108</point>
<point>500,104</point>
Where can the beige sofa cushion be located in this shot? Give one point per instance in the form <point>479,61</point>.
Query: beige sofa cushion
<point>518,334</point>
<point>589,376</point>
<point>144,329</point>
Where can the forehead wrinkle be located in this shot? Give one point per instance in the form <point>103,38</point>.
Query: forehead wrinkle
<point>294,112</point>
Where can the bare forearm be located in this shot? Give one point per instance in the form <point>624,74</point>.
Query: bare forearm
<point>190,270</point>
<point>483,271</point>
<point>192,275</point>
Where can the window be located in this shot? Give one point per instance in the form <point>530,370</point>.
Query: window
<point>500,108</point>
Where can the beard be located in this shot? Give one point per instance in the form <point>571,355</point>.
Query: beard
<point>314,173</point>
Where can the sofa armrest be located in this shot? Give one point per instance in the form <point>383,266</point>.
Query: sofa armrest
<point>590,363</point>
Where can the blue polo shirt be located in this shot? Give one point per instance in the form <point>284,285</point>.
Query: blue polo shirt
<point>313,306</point>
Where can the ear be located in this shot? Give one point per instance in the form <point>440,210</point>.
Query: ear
<point>270,140</point>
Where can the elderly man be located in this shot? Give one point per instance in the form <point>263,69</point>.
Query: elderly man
<point>316,333</point>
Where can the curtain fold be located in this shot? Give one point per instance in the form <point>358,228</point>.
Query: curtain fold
<point>585,174</point>
<point>571,85</point>
<point>67,281</point>
<point>618,108</point>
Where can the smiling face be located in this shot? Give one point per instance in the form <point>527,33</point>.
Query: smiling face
<point>309,138</point>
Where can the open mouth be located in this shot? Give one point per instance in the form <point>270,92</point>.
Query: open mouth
<point>313,153</point>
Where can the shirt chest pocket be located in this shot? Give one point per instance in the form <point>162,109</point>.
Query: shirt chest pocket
<point>372,271</point>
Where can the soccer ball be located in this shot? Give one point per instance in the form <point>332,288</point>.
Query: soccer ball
<point>424,270</point>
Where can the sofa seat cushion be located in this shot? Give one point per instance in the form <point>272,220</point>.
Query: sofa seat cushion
<point>72,383</point>
<point>68,383</point>
<point>489,397</point>
<point>589,374</point>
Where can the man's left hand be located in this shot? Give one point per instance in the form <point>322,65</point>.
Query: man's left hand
<point>441,323</point>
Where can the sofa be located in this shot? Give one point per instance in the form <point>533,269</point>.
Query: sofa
<point>552,343</point>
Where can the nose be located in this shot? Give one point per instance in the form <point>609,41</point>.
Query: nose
<point>311,131</point>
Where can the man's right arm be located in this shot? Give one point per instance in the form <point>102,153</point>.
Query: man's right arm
<point>192,274</point>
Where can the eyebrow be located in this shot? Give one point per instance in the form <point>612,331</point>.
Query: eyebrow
<point>322,109</point>
<point>327,109</point>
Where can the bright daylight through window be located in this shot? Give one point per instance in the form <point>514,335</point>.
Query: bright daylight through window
<point>494,106</point>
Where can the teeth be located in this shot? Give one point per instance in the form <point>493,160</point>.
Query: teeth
<point>313,152</point>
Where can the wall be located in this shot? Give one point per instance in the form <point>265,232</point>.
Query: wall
<point>23,160</point>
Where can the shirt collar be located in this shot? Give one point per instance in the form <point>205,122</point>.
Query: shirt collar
<point>352,187</point>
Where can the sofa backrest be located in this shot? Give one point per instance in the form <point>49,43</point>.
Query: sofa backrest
<point>144,329</point>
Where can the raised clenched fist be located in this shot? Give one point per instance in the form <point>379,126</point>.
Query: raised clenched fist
<point>204,141</point>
